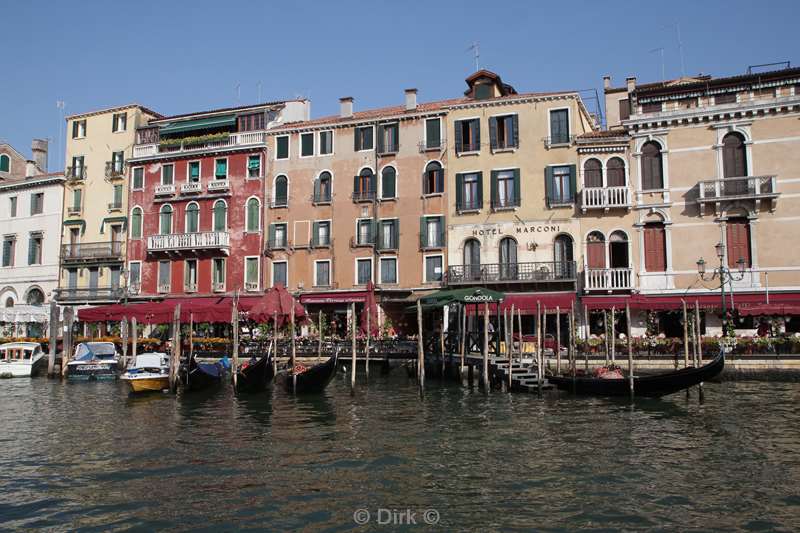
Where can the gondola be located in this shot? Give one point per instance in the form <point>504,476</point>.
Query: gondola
<point>314,379</point>
<point>646,386</point>
<point>198,376</point>
<point>256,374</point>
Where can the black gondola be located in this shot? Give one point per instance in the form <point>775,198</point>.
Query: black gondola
<point>314,379</point>
<point>255,375</point>
<point>647,386</point>
<point>198,376</point>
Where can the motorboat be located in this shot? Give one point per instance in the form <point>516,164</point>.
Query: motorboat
<point>21,359</point>
<point>94,361</point>
<point>149,372</point>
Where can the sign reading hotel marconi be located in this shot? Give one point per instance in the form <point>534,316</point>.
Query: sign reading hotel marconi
<point>486,230</point>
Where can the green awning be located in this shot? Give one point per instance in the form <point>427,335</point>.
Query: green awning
<point>467,295</point>
<point>198,124</point>
<point>77,222</point>
<point>112,220</point>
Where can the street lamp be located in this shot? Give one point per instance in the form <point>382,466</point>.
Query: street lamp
<point>726,275</point>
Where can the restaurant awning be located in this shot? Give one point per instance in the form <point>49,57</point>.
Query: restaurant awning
<point>200,309</point>
<point>344,297</point>
<point>674,302</point>
<point>466,295</point>
<point>197,124</point>
<point>528,303</point>
<point>769,310</point>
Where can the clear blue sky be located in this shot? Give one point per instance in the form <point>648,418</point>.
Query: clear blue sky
<point>183,56</point>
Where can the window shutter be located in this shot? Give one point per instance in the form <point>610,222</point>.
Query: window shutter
<point>423,232</point>
<point>396,233</point>
<point>355,185</point>
<point>493,188</point>
<point>439,178</point>
<point>477,137</point>
<point>548,184</point>
<point>441,231</point>
<point>373,183</point>
<point>356,140</point>
<point>459,190</point>
<point>316,190</point>
<point>76,198</point>
<point>315,234</point>
<point>493,134</point>
<point>573,171</point>
<point>381,134</point>
<point>458,137</point>
<point>74,129</point>
<point>517,197</point>
<point>272,233</point>
<point>480,189</point>
<point>515,133</point>
<point>624,109</point>
<point>31,251</point>
<point>118,194</point>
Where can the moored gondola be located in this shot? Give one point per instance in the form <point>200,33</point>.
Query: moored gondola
<point>311,380</point>
<point>648,386</point>
<point>198,376</point>
<point>255,374</point>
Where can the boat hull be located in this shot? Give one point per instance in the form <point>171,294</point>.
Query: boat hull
<point>21,369</point>
<point>255,377</point>
<point>314,380</point>
<point>200,376</point>
<point>148,384</point>
<point>92,371</point>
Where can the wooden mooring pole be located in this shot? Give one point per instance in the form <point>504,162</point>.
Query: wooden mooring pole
<point>53,339</point>
<point>441,336</point>
<point>235,351</point>
<point>420,350</point>
<point>558,340</point>
<point>698,352</point>
<point>685,337</point>
<point>463,338</point>
<point>134,336</point>
<point>366,348</point>
<point>605,333</point>
<point>319,341</point>
<point>293,343</point>
<point>539,347</point>
<point>274,342</point>
<point>613,335</point>
<point>175,355</point>
<point>630,347</point>
<point>486,347</point>
<point>586,329</point>
<point>123,333</point>
<point>511,350</point>
<point>66,343</point>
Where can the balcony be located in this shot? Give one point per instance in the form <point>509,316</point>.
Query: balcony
<point>277,201</point>
<point>89,294</point>
<point>115,170</point>
<point>753,188</point>
<point>321,242</point>
<point>467,148</point>
<point>157,147</point>
<point>504,204</point>
<point>74,210</point>
<point>75,173</point>
<point>277,244</point>
<point>605,198</point>
<point>191,187</point>
<point>190,287</point>
<point>218,185</point>
<point>364,196</point>
<point>115,206</point>
<point>165,190</point>
<point>251,286</point>
<point>467,206</point>
<point>558,141</point>
<point>90,252</point>
<point>537,272</point>
<point>608,279</point>
<point>178,242</point>
<point>429,242</point>
<point>163,288</point>
<point>218,286</point>
<point>431,146</point>
<point>321,198</point>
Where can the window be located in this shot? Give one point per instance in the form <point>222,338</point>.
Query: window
<point>651,107</point>
<point>221,169</point>
<point>5,163</point>
<point>277,236</point>
<point>596,250</point>
<point>687,103</point>
<point>251,122</point>
<point>363,271</point>
<point>322,273</point>
<point>431,232</point>
<point>37,203</point>
<point>218,274</point>
<point>472,259</point>
<point>433,268</point>
<point>190,275</point>
<point>505,189</point>
<point>164,276</point>
<point>615,173</point>
<point>35,249</point>
<point>165,219</point>
<point>503,132</point>
<point>765,92</point>
<point>253,215</point>
<point>280,198</point>
<point>508,258</point>
<point>364,185</point>
<point>254,166</point>
<point>624,109</point>
<point>652,169</point>
<point>388,270</point>
<point>325,142</point>
<point>388,138</point>
<point>737,241</point>
<point>734,157</point>
<point>193,172</point>
<point>12,206</point>
<point>592,173</point>
<point>483,91</point>
<point>119,122</point>
<point>365,232</point>
<point>280,274</point>
<point>167,174</point>
<point>116,202</point>
<point>559,126</point>
<point>363,138</point>
<point>468,135</point>
<point>388,183</point>
<point>192,218</point>
<point>726,98</point>
<point>322,234</point>
<point>322,188</point>
<point>618,250</point>
<point>560,185</point>
<point>655,247</point>
<point>282,147</point>
<point>78,171</point>
<point>78,129</point>
<point>433,181</point>
<point>134,275</point>
<point>9,245</point>
<point>220,215</point>
<point>136,223</point>
<point>433,133</point>
<point>389,235</point>
<point>306,144</point>
<point>563,257</point>
<point>469,191</point>
<point>138,178</point>
<point>251,270</point>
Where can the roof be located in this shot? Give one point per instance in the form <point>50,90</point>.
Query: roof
<point>114,110</point>
<point>505,88</point>
<point>30,180</point>
<point>702,81</point>
<point>604,135</point>
<point>31,345</point>
<point>224,110</point>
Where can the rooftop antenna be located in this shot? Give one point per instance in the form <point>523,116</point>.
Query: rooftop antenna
<point>677,27</point>
<point>661,51</point>
<point>476,50</point>
<point>60,105</point>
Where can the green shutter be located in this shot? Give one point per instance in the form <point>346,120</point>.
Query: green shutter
<point>548,184</point>
<point>76,198</point>
<point>194,170</point>
<point>356,139</point>
<point>458,137</point>
<point>517,197</point>
<point>515,127</point>
<point>254,162</point>
<point>355,186</point>
<point>33,204</point>
<point>493,134</point>
<point>118,194</point>
<point>477,137</point>
<point>396,234</point>
<point>441,230</point>
<point>315,234</point>
<point>373,183</point>
<point>272,233</point>
<point>572,182</point>
<point>493,187</point>
<point>31,251</point>
<point>317,190</point>
<point>388,179</point>
<point>480,190</point>
<point>432,133</point>
<point>221,167</point>
<point>423,232</point>
<point>381,133</point>
<point>459,190</point>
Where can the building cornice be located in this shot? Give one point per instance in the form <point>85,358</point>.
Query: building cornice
<point>32,183</point>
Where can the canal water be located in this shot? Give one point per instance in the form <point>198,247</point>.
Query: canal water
<point>90,457</point>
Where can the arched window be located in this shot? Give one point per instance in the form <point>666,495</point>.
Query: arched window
<point>734,163</point>
<point>596,250</point>
<point>5,163</point>
<point>35,297</point>
<point>253,215</point>
<point>615,172</point>
<point>165,219</point>
<point>618,250</point>
<point>592,173</point>
<point>192,218</point>
<point>136,223</point>
<point>652,166</point>
<point>9,302</point>
<point>655,247</point>
<point>388,183</point>
<point>508,258</point>
<point>280,198</point>
<point>322,188</point>
<point>220,215</point>
<point>364,185</point>
<point>563,257</point>
<point>472,259</point>
<point>737,240</point>
<point>434,178</point>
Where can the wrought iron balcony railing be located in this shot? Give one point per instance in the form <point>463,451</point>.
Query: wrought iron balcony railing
<point>536,272</point>
<point>743,188</point>
<point>73,294</point>
<point>91,251</point>
<point>115,169</point>
<point>175,242</point>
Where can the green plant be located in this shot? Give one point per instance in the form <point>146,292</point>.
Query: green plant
<point>194,140</point>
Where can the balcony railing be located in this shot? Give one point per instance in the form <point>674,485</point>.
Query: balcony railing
<point>190,287</point>
<point>317,242</point>
<point>77,172</point>
<point>218,185</point>
<point>74,210</point>
<point>191,187</point>
<point>163,288</point>
<point>208,240</point>
<point>427,243</point>
<point>320,199</point>
<point>164,190</point>
<point>430,145</point>
<point>470,205</point>
<point>499,204</point>
<point>91,251</point>
<point>277,244</point>
<point>364,196</point>
<point>234,140</point>
<point>505,144</point>
<point>467,147</point>
<point>115,169</point>
<point>251,286</point>
<point>537,272</point>
<point>115,206</point>
<point>605,198</point>
<point>609,279</point>
<point>218,286</point>
<point>89,293</point>
<point>278,201</point>
<point>559,140</point>
<point>744,188</point>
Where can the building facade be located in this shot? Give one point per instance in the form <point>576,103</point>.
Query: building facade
<point>93,238</point>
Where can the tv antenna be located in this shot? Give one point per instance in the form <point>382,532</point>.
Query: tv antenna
<point>661,52</point>
<point>60,105</point>
<point>677,27</point>
<point>476,50</point>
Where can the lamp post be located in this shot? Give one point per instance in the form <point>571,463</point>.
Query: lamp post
<point>725,274</point>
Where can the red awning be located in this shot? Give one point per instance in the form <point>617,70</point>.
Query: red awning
<point>605,302</point>
<point>769,309</point>
<point>659,302</point>
<point>334,297</point>
<point>199,309</point>
<point>527,303</point>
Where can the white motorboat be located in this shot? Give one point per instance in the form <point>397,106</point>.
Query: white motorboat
<point>21,359</point>
<point>94,361</point>
<point>148,373</point>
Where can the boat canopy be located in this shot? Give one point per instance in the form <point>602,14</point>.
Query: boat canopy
<point>86,351</point>
<point>150,360</point>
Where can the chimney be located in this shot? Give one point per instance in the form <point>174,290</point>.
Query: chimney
<point>346,107</point>
<point>606,82</point>
<point>411,99</point>
<point>30,168</point>
<point>631,82</point>
<point>39,151</point>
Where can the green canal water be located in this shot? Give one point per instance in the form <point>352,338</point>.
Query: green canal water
<point>87,456</point>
